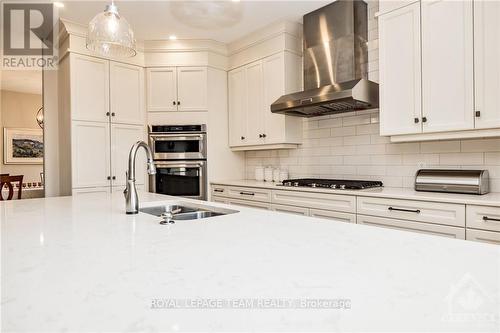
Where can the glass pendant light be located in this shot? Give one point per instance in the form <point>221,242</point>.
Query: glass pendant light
<point>110,35</point>
<point>39,117</point>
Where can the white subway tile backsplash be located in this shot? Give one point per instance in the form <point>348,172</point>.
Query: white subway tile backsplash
<point>348,145</point>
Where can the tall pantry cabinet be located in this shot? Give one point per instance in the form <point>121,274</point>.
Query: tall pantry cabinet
<point>102,115</point>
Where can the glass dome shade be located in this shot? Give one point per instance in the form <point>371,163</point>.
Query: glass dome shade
<point>110,35</point>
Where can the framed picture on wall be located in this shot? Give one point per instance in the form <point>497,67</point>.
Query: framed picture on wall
<point>22,146</point>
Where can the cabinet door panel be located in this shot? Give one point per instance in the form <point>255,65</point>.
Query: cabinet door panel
<point>237,107</point>
<point>89,88</point>
<point>127,94</point>
<point>424,228</point>
<point>122,139</point>
<point>274,84</point>
<point>90,154</point>
<point>291,209</point>
<point>192,88</point>
<point>483,236</point>
<point>400,71</point>
<point>487,63</point>
<point>447,65</point>
<point>332,215</point>
<point>255,102</point>
<point>251,204</point>
<point>162,89</point>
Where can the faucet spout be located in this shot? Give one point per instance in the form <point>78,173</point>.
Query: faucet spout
<point>131,198</point>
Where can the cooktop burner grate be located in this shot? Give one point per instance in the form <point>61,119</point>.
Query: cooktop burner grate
<point>343,184</point>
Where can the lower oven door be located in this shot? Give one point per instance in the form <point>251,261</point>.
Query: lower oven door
<point>180,178</point>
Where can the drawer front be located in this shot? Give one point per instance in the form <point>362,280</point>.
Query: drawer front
<point>424,228</point>
<point>250,204</point>
<point>422,211</point>
<point>491,237</point>
<point>342,203</point>
<point>331,215</point>
<point>219,199</point>
<point>483,217</point>
<point>219,190</point>
<point>248,193</point>
<point>290,209</point>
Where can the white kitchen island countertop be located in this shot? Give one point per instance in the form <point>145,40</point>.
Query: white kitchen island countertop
<point>80,264</point>
<point>489,199</point>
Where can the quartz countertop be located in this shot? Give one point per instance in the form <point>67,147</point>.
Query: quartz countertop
<point>80,264</point>
<point>489,199</point>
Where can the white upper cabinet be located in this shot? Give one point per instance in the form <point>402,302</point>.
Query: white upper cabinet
<point>447,66</point>
<point>89,86</point>
<point>90,154</point>
<point>252,90</point>
<point>162,89</point>
<point>255,104</point>
<point>122,139</point>
<point>273,88</point>
<point>400,71</point>
<point>177,89</point>
<point>192,88</point>
<point>237,92</point>
<point>386,6</point>
<point>127,94</point>
<point>487,63</point>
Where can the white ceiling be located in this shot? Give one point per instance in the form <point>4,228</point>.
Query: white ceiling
<point>24,81</point>
<point>223,21</point>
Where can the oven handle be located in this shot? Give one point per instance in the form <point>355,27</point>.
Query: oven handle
<point>187,137</point>
<point>179,165</point>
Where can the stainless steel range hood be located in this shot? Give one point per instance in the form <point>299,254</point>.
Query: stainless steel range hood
<point>335,63</point>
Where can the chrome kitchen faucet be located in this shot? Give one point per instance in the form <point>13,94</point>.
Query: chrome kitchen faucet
<point>131,198</point>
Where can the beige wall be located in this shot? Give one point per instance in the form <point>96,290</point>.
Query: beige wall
<point>19,110</point>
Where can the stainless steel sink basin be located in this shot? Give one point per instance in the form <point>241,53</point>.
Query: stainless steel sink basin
<point>183,211</point>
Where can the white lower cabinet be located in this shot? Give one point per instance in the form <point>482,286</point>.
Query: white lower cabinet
<point>219,199</point>
<point>332,215</point>
<point>483,236</point>
<point>290,209</point>
<point>483,217</point>
<point>336,202</point>
<point>425,228</point>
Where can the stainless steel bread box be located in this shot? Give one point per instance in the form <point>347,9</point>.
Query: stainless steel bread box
<point>452,181</point>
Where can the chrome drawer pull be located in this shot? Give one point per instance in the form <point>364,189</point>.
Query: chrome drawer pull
<point>405,210</point>
<point>218,190</point>
<point>247,193</point>
<point>486,218</point>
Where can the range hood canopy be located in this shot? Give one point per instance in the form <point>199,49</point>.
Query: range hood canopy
<point>335,63</point>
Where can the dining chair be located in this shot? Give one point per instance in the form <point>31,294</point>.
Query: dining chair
<point>8,181</point>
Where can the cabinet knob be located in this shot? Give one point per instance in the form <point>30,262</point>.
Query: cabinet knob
<point>173,102</point>
<point>478,114</point>
<point>112,114</point>
<point>109,177</point>
<point>416,120</point>
<point>242,138</point>
<point>424,119</point>
<point>260,135</point>
<point>114,178</point>
<point>178,103</point>
<point>107,114</point>
<point>263,135</point>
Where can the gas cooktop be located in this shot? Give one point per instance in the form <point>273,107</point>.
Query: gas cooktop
<point>342,184</point>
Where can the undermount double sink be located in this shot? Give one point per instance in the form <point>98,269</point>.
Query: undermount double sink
<point>183,211</point>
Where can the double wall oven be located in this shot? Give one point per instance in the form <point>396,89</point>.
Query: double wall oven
<point>180,156</point>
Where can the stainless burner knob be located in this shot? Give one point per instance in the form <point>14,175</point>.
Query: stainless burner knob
<point>333,186</point>
<point>296,184</point>
<point>314,185</point>
<point>342,187</point>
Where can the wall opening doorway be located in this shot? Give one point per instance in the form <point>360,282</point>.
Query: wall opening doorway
<point>21,137</point>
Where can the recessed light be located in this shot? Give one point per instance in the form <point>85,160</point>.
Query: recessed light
<point>172,37</point>
<point>58,4</point>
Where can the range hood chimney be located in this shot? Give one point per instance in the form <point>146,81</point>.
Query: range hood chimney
<point>335,63</point>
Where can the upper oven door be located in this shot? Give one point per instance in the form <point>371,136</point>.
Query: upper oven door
<point>178,146</point>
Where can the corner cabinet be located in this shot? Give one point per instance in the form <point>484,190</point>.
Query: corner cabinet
<point>177,89</point>
<point>252,90</point>
<point>429,89</point>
